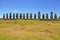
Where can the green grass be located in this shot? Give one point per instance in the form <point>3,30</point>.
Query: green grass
<point>29,30</point>
<point>7,38</point>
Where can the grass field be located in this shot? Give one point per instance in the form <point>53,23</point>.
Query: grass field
<point>29,30</point>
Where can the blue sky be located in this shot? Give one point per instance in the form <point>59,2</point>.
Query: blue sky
<point>30,6</point>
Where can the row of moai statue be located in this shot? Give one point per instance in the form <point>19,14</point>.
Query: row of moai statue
<point>15,16</point>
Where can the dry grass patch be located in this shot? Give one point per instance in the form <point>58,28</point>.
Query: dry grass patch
<point>29,30</point>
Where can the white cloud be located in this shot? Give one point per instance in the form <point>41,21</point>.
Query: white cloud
<point>15,11</point>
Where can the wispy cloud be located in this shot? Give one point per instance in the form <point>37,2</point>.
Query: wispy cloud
<point>15,11</point>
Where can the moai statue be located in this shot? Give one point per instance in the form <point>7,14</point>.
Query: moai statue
<point>20,15</point>
<point>30,15</point>
<point>46,15</point>
<point>3,16</point>
<point>34,16</point>
<point>23,16</point>
<point>38,15</point>
<point>51,15</point>
<point>55,16</point>
<point>13,15</point>
<point>10,16</point>
<point>27,16</point>
<point>16,15</point>
<point>6,15</point>
<point>43,16</point>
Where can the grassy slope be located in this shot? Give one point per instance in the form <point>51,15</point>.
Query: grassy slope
<point>29,30</point>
